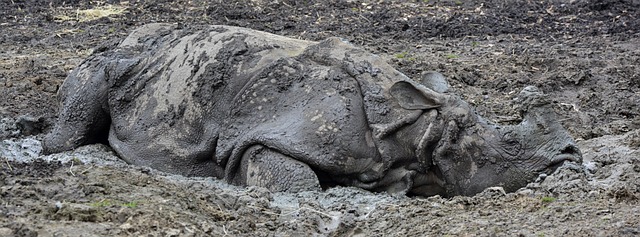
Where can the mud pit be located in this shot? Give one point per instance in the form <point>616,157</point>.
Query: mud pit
<point>585,54</point>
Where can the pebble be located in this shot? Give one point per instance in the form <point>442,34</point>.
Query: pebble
<point>541,178</point>
<point>126,226</point>
<point>591,167</point>
<point>172,232</point>
<point>525,192</point>
<point>5,232</point>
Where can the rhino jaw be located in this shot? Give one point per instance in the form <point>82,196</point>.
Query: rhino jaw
<point>570,153</point>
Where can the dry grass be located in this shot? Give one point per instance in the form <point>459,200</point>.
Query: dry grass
<point>91,14</point>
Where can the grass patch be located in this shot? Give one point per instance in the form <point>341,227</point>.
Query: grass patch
<point>548,199</point>
<point>132,204</point>
<point>62,18</point>
<point>451,56</point>
<point>77,160</point>
<point>91,14</point>
<point>101,203</point>
<point>401,55</point>
<point>109,203</point>
<point>405,56</point>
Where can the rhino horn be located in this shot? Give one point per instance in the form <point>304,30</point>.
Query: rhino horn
<point>531,97</point>
<point>535,106</point>
<point>537,110</point>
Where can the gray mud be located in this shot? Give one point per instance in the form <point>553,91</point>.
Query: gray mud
<point>90,191</point>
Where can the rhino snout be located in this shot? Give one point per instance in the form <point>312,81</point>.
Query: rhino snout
<point>569,153</point>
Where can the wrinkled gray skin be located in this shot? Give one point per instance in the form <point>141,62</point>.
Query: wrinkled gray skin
<point>255,108</point>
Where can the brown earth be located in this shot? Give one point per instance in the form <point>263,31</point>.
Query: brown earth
<point>584,54</point>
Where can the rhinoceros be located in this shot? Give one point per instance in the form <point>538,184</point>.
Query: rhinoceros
<point>254,108</point>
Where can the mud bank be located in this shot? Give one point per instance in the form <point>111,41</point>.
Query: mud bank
<point>91,191</point>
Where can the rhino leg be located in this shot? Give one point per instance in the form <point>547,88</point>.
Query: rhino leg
<point>83,118</point>
<point>264,167</point>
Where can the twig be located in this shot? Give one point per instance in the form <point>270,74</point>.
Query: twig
<point>291,212</point>
<point>301,208</point>
<point>363,17</point>
<point>262,210</point>
<point>369,213</point>
<point>87,169</point>
<point>6,160</point>
<point>507,119</point>
<point>318,212</point>
<point>70,169</point>
<point>572,106</point>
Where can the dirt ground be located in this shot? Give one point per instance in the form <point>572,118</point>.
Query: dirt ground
<point>584,54</point>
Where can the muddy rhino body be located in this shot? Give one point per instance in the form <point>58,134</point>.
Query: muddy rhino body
<point>255,108</point>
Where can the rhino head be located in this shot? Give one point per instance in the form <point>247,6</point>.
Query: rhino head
<point>469,153</point>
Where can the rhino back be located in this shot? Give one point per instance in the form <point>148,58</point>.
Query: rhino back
<point>194,96</point>
<point>177,86</point>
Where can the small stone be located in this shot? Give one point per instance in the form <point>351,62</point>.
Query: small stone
<point>533,185</point>
<point>541,178</point>
<point>493,192</point>
<point>525,192</point>
<point>591,167</point>
<point>126,226</point>
<point>172,232</point>
<point>5,232</point>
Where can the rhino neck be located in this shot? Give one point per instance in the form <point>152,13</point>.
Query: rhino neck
<point>417,142</point>
<point>456,155</point>
<point>445,144</point>
<point>423,136</point>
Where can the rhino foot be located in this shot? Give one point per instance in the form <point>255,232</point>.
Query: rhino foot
<point>264,167</point>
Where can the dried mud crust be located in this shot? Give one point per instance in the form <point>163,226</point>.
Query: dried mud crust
<point>584,54</point>
<point>77,192</point>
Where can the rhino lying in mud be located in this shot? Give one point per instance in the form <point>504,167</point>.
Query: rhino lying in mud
<point>254,108</point>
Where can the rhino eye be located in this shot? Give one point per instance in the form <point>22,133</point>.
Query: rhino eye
<point>511,145</point>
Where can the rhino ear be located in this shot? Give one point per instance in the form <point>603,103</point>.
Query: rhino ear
<point>414,97</point>
<point>435,81</point>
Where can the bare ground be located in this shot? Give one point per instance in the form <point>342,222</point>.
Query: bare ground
<point>585,54</point>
